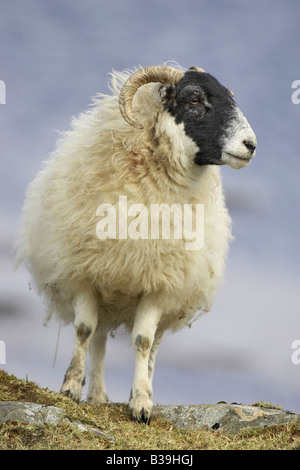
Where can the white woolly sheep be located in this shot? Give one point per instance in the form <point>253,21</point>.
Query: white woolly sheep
<point>160,140</point>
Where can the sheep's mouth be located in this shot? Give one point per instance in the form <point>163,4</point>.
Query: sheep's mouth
<point>235,161</point>
<point>243,159</point>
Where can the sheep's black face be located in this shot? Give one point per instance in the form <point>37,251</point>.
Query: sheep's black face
<point>211,118</point>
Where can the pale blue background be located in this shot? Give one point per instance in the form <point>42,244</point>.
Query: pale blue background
<point>54,56</point>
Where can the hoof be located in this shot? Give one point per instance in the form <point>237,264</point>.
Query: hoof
<point>141,408</point>
<point>97,400</point>
<point>68,393</point>
<point>72,389</point>
<point>143,417</point>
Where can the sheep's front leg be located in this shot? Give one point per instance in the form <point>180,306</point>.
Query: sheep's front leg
<point>143,333</point>
<point>86,317</point>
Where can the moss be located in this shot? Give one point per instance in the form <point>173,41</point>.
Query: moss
<point>265,404</point>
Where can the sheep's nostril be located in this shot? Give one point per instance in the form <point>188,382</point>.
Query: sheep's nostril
<point>249,145</point>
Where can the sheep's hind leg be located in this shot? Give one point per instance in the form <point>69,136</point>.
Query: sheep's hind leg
<point>97,391</point>
<point>152,356</point>
<point>143,333</point>
<point>86,314</point>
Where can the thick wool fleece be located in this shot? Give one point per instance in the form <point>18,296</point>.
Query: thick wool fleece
<point>98,160</point>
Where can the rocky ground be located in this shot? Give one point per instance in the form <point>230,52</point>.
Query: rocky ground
<point>223,417</point>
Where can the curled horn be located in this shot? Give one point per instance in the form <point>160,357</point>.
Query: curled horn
<point>154,73</point>
<point>197,69</point>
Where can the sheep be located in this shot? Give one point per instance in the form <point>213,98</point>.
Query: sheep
<point>159,137</point>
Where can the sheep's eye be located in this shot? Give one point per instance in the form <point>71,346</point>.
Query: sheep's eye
<point>195,101</point>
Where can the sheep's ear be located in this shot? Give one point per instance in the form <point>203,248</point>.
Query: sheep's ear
<point>167,92</point>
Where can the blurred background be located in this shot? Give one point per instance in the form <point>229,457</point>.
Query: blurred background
<point>54,57</point>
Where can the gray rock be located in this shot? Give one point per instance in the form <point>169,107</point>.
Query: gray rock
<point>30,413</point>
<point>34,413</point>
<point>224,417</point>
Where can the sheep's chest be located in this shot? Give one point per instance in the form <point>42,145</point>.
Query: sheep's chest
<point>187,278</point>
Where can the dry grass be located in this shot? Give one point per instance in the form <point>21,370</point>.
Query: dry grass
<point>114,419</point>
